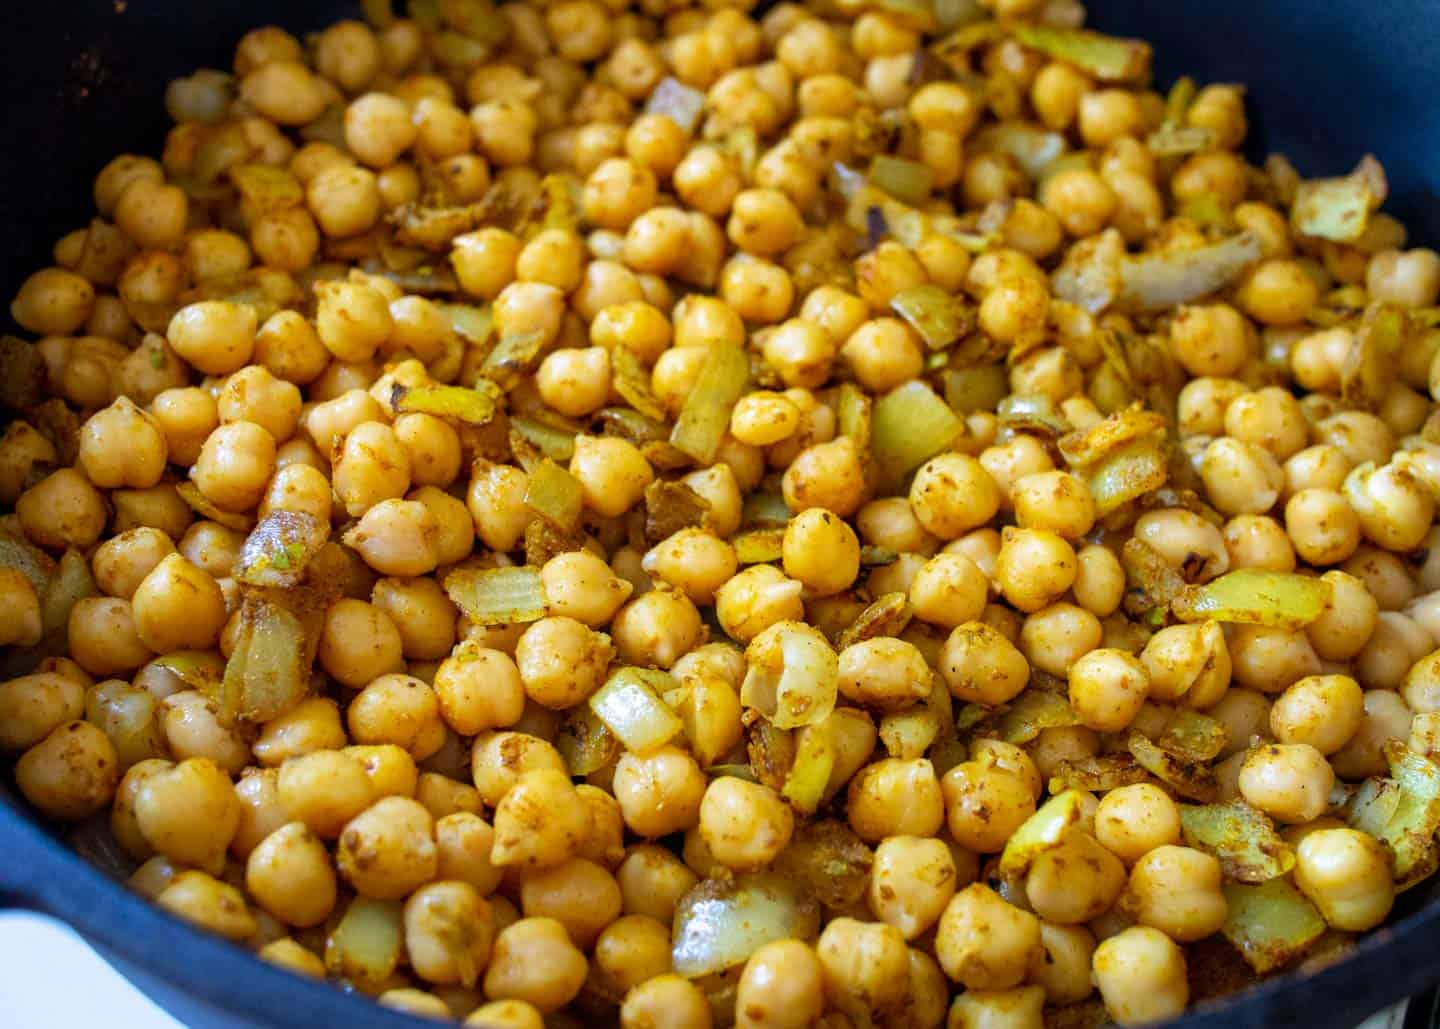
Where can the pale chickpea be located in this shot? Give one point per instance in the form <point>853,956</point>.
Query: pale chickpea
<point>694,561</point>
<point>1289,781</point>
<point>32,706</point>
<point>865,966</point>
<point>534,961</point>
<point>1054,638</point>
<point>1177,890</point>
<point>103,639</point>
<point>984,943</point>
<point>1141,976</point>
<point>388,850</point>
<point>982,666</point>
<point>1321,710</point>
<point>70,774</point>
<point>1099,585</point>
<point>395,537</point>
<point>289,874</point>
<point>659,793</point>
<point>911,881</point>
<point>358,642</point>
<point>952,494</point>
<point>1347,875</point>
<point>985,804</point>
<point>949,590</point>
<point>581,895</point>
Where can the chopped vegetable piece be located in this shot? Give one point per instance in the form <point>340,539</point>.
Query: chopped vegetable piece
<point>1107,58</point>
<point>733,771</point>
<point>632,425</point>
<point>473,324</point>
<point>1373,360</point>
<point>1035,149</point>
<point>1098,774</point>
<point>793,675</point>
<point>887,615</point>
<point>828,862</point>
<point>1194,735</point>
<point>364,947</point>
<point>877,557</point>
<point>1157,282</point>
<point>200,670</point>
<point>771,750</point>
<point>544,540</point>
<point>670,507</point>
<point>201,505</point>
<point>22,373</point>
<point>939,318</point>
<point>1032,713</point>
<point>556,443</point>
<point>1271,924</point>
<point>1041,831</point>
<point>1245,840</point>
<point>1254,596</point>
<point>678,102</point>
<point>909,425</point>
<point>1134,470</point>
<point>434,227</point>
<point>1187,778</point>
<point>634,712</point>
<point>1339,209</point>
<point>497,596</point>
<point>514,356</point>
<point>758,546</point>
<point>956,48</point>
<point>1083,448</point>
<point>280,547</point>
<point>1175,140</point>
<point>810,771</point>
<point>706,415</point>
<point>1153,584</point>
<point>908,734</point>
<point>270,664</point>
<point>19,555</point>
<point>266,189</point>
<point>1410,832</point>
<point>765,510</point>
<point>555,495</point>
<point>1031,412</point>
<point>852,415</point>
<point>1373,805</point>
<point>632,382</point>
<point>1089,276</point>
<point>720,923</point>
<point>907,181</point>
<point>1178,100</point>
<point>968,390</point>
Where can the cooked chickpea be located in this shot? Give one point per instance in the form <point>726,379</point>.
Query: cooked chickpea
<point>1347,875</point>
<point>1289,781</point>
<point>359,641</point>
<point>953,494</point>
<point>782,987</point>
<point>534,961</point>
<point>985,804</point>
<point>1141,975</point>
<point>984,943</point>
<point>911,882</point>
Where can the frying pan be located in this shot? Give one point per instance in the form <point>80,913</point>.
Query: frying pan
<point>1330,80</point>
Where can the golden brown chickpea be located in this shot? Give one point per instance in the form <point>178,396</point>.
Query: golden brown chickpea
<point>1289,781</point>
<point>358,642</point>
<point>1141,976</point>
<point>534,961</point>
<point>982,666</point>
<point>781,987</point>
<point>178,607</point>
<point>985,804</point>
<point>984,943</point>
<point>659,793</point>
<point>1347,875</point>
<point>1075,881</point>
<point>289,874</point>
<point>388,850</point>
<point>71,774</point>
<point>865,966</point>
<point>62,510</point>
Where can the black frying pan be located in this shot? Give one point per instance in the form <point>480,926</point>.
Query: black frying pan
<point>83,80</point>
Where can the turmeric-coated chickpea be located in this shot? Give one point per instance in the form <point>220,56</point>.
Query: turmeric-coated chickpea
<point>1346,874</point>
<point>1141,975</point>
<point>985,943</point>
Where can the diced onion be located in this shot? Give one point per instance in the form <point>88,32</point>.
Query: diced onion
<point>1339,209</point>
<point>1245,841</point>
<point>1254,596</point>
<point>280,547</point>
<point>1032,713</point>
<point>1156,282</point>
<point>939,318</point>
<point>706,415</point>
<point>814,760</point>
<point>678,102</point>
<point>1041,831</point>
<point>718,925</point>
<point>1270,924</point>
<point>364,948</point>
<point>1190,779</point>
<point>1131,472</point>
<point>908,426</point>
<point>793,675</point>
<point>555,495</point>
<point>497,596</point>
<point>633,711</point>
<point>1105,57</point>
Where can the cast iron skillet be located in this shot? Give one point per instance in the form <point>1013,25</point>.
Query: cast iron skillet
<point>1330,80</point>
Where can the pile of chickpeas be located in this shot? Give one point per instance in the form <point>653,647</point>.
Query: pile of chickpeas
<point>217,346</point>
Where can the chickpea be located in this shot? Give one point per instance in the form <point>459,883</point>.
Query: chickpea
<point>952,494</point>
<point>1141,975</point>
<point>746,825</point>
<point>188,813</point>
<point>1034,568</point>
<point>358,641</point>
<point>70,774</point>
<point>62,510</point>
<point>884,673</point>
<point>985,804</point>
<point>178,607</point>
<point>694,561</point>
<point>865,966</point>
<point>398,709</point>
<point>1177,890</point>
<point>911,882</point>
<point>102,637</point>
<point>33,706</point>
<point>781,987</point>
<point>209,903</point>
<point>561,661</point>
<point>534,961</point>
<point>388,850</point>
<point>982,666</point>
<point>984,943</point>
<point>1289,781</point>
<point>1347,875</point>
<point>289,875</point>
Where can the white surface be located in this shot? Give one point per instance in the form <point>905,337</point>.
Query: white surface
<point>51,979</point>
